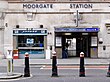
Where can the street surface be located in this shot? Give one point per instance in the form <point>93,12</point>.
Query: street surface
<point>42,74</point>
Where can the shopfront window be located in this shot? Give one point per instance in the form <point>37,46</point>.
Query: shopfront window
<point>31,41</point>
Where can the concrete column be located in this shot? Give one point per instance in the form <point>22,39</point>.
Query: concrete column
<point>1,43</point>
<point>3,8</point>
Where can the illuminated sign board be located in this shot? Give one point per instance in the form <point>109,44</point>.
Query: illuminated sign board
<point>29,32</point>
<point>77,29</point>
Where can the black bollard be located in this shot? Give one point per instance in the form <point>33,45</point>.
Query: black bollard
<point>82,68</point>
<point>26,69</point>
<point>54,65</point>
<point>108,73</point>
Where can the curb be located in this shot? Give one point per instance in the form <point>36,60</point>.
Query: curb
<point>14,76</point>
<point>75,67</point>
<point>70,64</point>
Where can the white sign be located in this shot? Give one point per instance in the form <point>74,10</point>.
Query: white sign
<point>30,41</point>
<point>93,41</point>
<point>9,54</point>
<point>58,41</point>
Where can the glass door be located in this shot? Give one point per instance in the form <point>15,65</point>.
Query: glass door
<point>71,47</point>
<point>94,47</point>
<point>85,46</point>
<point>82,45</point>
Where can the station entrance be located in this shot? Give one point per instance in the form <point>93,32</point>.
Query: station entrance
<point>71,44</point>
<point>76,43</point>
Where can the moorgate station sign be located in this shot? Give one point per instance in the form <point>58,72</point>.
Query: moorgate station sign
<point>65,7</point>
<point>33,6</point>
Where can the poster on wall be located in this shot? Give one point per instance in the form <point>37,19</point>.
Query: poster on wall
<point>58,41</point>
<point>93,41</point>
<point>30,41</point>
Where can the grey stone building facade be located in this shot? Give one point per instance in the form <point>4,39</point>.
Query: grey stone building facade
<point>66,26</point>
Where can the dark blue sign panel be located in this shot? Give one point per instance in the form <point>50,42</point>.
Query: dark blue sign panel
<point>29,32</point>
<point>77,29</point>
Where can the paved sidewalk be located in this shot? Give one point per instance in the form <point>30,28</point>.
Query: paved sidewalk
<point>62,63</point>
<point>73,61</point>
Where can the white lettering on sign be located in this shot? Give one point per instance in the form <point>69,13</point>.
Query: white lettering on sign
<point>33,6</point>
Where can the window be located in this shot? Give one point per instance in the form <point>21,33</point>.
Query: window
<point>31,41</point>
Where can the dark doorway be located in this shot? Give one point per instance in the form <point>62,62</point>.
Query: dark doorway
<point>83,44</point>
